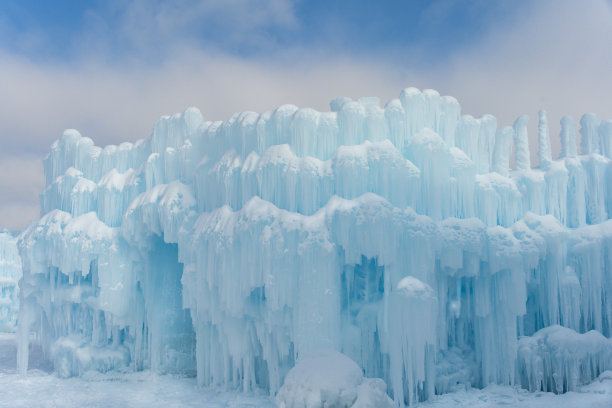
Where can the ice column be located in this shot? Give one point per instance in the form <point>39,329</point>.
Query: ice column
<point>502,150</point>
<point>486,143</point>
<point>589,124</point>
<point>605,136</point>
<point>568,137</point>
<point>544,154</point>
<point>521,141</point>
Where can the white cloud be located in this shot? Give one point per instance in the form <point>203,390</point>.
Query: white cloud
<point>152,28</point>
<point>557,58</point>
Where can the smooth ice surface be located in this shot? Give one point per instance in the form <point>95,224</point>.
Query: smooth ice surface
<point>397,235</point>
<point>10,273</point>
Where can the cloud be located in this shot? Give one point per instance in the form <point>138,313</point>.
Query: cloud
<point>152,29</point>
<point>21,179</point>
<point>15,215</point>
<point>554,55</point>
<point>557,57</point>
<point>112,105</point>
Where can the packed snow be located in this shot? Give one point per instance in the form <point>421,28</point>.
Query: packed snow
<point>399,236</point>
<point>327,378</point>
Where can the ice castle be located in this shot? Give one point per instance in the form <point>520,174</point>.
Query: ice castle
<point>399,236</point>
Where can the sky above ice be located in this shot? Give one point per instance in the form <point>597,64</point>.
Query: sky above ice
<point>111,68</point>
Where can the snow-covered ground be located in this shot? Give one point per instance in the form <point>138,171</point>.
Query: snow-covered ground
<point>598,394</point>
<point>145,389</point>
<point>116,390</point>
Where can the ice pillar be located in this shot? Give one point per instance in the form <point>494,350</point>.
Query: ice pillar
<point>521,141</point>
<point>605,136</point>
<point>502,150</point>
<point>568,137</point>
<point>589,125</point>
<point>544,154</point>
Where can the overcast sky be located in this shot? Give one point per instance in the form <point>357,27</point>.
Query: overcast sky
<point>111,68</point>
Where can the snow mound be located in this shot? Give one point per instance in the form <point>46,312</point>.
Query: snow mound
<point>330,379</point>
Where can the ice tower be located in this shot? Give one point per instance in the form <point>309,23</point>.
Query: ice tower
<point>398,235</point>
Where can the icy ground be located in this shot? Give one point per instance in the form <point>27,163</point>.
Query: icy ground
<point>145,389</point>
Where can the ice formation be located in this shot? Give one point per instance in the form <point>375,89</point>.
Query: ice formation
<point>10,273</point>
<point>399,236</point>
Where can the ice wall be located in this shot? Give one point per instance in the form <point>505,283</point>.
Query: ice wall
<point>10,273</point>
<point>397,235</point>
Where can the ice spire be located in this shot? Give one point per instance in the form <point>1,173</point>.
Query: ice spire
<point>544,154</point>
<point>589,124</point>
<point>568,137</point>
<point>521,141</point>
<point>502,150</point>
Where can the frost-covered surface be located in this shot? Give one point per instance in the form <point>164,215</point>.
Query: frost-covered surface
<point>398,235</point>
<point>10,273</point>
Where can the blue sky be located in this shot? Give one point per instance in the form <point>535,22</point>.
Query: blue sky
<point>63,29</point>
<point>111,68</point>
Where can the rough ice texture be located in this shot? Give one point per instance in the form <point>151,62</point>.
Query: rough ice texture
<point>398,236</point>
<point>10,273</point>
<point>558,359</point>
